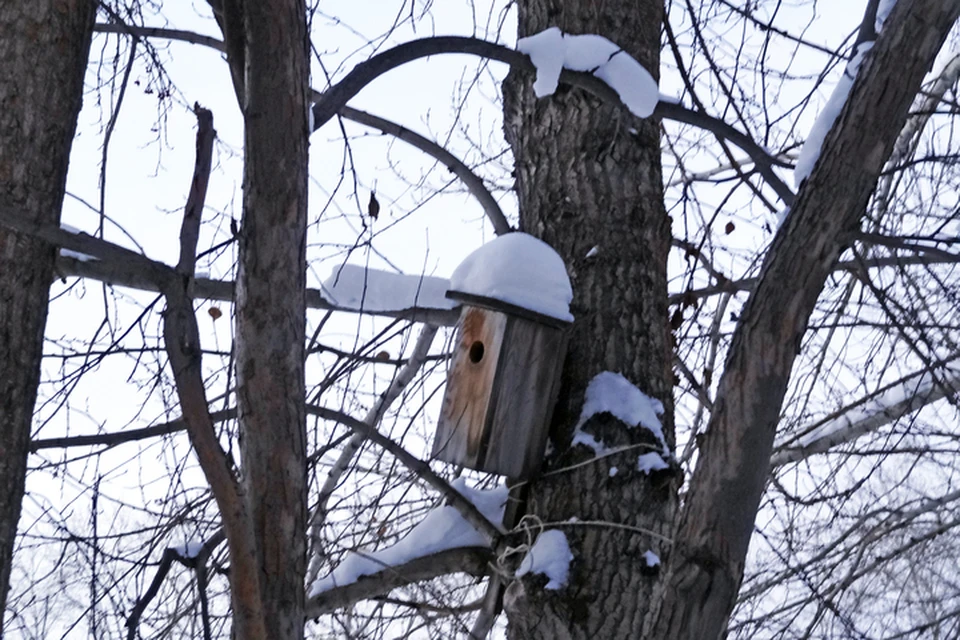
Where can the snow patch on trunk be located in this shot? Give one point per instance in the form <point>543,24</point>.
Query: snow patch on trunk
<point>610,392</point>
<point>550,555</point>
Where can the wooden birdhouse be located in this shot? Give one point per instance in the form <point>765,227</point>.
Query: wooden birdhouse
<point>505,370</point>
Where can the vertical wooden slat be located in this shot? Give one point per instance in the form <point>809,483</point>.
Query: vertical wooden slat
<point>528,380</point>
<point>469,387</point>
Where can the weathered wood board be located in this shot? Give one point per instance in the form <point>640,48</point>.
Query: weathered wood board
<point>501,389</point>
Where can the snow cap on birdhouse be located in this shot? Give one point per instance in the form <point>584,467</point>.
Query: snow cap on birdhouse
<point>505,371</point>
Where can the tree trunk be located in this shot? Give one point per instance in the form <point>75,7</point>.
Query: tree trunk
<point>43,57</point>
<point>271,304</point>
<point>589,176</point>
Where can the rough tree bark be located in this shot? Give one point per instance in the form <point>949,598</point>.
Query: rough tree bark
<point>270,58</point>
<point>587,175</point>
<point>43,56</point>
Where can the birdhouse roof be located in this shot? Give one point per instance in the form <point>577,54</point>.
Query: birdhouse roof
<point>518,271</point>
<point>506,307</point>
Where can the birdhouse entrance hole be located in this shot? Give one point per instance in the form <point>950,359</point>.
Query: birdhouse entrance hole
<point>476,352</point>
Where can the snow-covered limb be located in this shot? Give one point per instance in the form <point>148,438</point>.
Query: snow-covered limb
<point>191,549</point>
<point>127,273</point>
<point>442,529</point>
<point>472,561</point>
<point>373,417</point>
<point>362,289</point>
<point>76,255</point>
<point>872,412</point>
<point>552,51</point>
<point>810,151</point>
<point>490,532</point>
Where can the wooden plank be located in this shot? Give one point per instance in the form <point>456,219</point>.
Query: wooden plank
<point>470,386</point>
<point>528,379</point>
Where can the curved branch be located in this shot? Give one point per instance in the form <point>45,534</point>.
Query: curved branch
<point>373,418</point>
<point>472,181</point>
<point>420,467</point>
<point>470,560</point>
<point>704,571</point>
<point>138,272</point>
<point>334,100</point>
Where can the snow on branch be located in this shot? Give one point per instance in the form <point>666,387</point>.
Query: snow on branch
<point>876,14</point>
<point>442,529</point>
<point>351,287</point>
<point>810,151</point>
<point>473,561</point>
<point>373,417</point>
<point>334,101</point>
<point>869,414</point>
<point>551,51</point>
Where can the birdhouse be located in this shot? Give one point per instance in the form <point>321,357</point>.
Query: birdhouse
<point>510,344</point>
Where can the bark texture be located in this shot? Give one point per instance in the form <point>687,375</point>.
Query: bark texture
<point>706,565</point>
<point>43,56</point>
<point>271,303</point>
<point>588,175</point>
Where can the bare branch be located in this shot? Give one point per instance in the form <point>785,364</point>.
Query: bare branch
<point>335,99</point>
<point>181,337</point>
<point>466,508</point>
<point>372,419</point>
<point>872,412</point>
<point>472,181</point>
<point>706,566</point>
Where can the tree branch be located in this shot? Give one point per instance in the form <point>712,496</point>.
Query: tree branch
<point>703,574</point>
<point>181,337</point>
<point>372,419</point>
<point>466,508</point>
<point>337,96</point>
<point>872,412</point>
<point>137,274</point>
<point>472,181</point>
<point>469,560</point>
<point>335,99</point>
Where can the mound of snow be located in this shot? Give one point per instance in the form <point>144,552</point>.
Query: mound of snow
<point>518,269</point>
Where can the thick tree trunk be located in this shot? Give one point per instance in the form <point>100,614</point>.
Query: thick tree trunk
<point>43,56</point>
<point>271,303</point>
<point>589,176</point>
